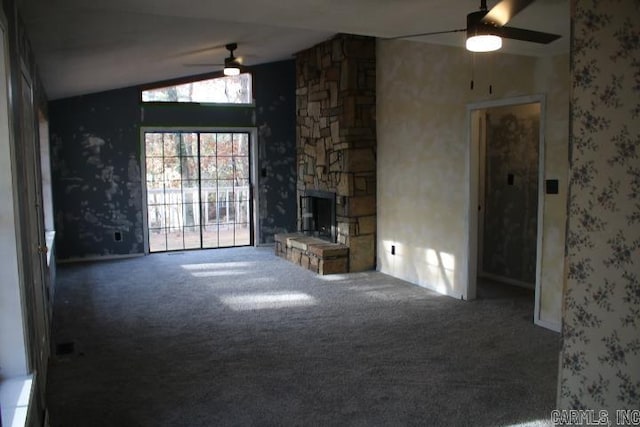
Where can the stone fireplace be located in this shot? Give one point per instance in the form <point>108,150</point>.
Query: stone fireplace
<point>336,146</point>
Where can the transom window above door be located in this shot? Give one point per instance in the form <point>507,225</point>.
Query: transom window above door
<point>218,90</point>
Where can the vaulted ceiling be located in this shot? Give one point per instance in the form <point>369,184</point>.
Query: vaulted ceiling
<point>88,46</point>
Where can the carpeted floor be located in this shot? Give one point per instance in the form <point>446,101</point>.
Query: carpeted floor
<point>240,337</point>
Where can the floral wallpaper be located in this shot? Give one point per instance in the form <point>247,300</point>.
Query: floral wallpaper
<point>511,198</point>
<point>600,359</point>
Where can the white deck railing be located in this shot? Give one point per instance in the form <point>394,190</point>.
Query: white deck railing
<point>177,208</point>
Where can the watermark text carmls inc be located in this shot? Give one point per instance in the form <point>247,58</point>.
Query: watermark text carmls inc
<point>580,417</point>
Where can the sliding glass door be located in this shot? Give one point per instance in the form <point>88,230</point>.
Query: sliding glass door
<point>198,190</point>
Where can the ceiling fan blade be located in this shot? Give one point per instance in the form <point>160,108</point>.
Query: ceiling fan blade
<point>432,33</point>
<point>502,12</point>
<point>203,65</point>
<point>198,51</point>
<point>527,35</point>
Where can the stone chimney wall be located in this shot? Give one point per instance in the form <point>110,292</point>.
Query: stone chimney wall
<point>336,137</point>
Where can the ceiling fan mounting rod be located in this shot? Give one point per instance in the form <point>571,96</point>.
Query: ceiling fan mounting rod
<point>231,47</point>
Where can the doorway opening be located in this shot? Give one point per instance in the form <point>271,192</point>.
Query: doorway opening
<point>198,192</point>
<point>506,196</point>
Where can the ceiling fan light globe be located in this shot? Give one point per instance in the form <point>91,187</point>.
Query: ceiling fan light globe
<point>484,43</point>
<point>231,71</point>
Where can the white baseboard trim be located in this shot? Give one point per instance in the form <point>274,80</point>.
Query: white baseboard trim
<point>97,258</point>
<point>554,326</point>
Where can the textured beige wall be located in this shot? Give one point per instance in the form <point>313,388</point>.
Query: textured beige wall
<point>552,79</point>
<point>422,97</point>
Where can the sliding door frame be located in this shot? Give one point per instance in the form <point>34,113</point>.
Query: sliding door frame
<point>253,160</point>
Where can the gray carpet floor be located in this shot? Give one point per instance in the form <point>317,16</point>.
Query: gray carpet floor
<point>241,337</point>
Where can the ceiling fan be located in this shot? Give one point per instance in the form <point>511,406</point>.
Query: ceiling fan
<point>486,28</point>
<point>232,64</point>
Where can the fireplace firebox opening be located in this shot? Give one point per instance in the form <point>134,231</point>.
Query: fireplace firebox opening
<point>318,214</point>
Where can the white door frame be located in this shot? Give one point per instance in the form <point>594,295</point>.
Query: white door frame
<point>252,131</point>
<point>473,162</point>
<point>13,337</point>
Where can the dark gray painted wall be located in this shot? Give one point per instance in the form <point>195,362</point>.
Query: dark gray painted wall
<point>274,87</point>
<point>95,160</point>
<point>95,145</point>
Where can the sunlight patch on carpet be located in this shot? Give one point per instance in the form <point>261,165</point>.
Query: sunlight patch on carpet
<point>219,269</point>
<point>221,273</point>
<point>218,265</point>
<point>268,301</point>
<point>339,277</point>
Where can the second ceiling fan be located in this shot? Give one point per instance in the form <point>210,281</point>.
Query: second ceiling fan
<point>486,28</point>
<point>232,64</point>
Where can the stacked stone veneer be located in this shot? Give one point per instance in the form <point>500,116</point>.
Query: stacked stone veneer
<point>336,137</point>
<point>312,253</point>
